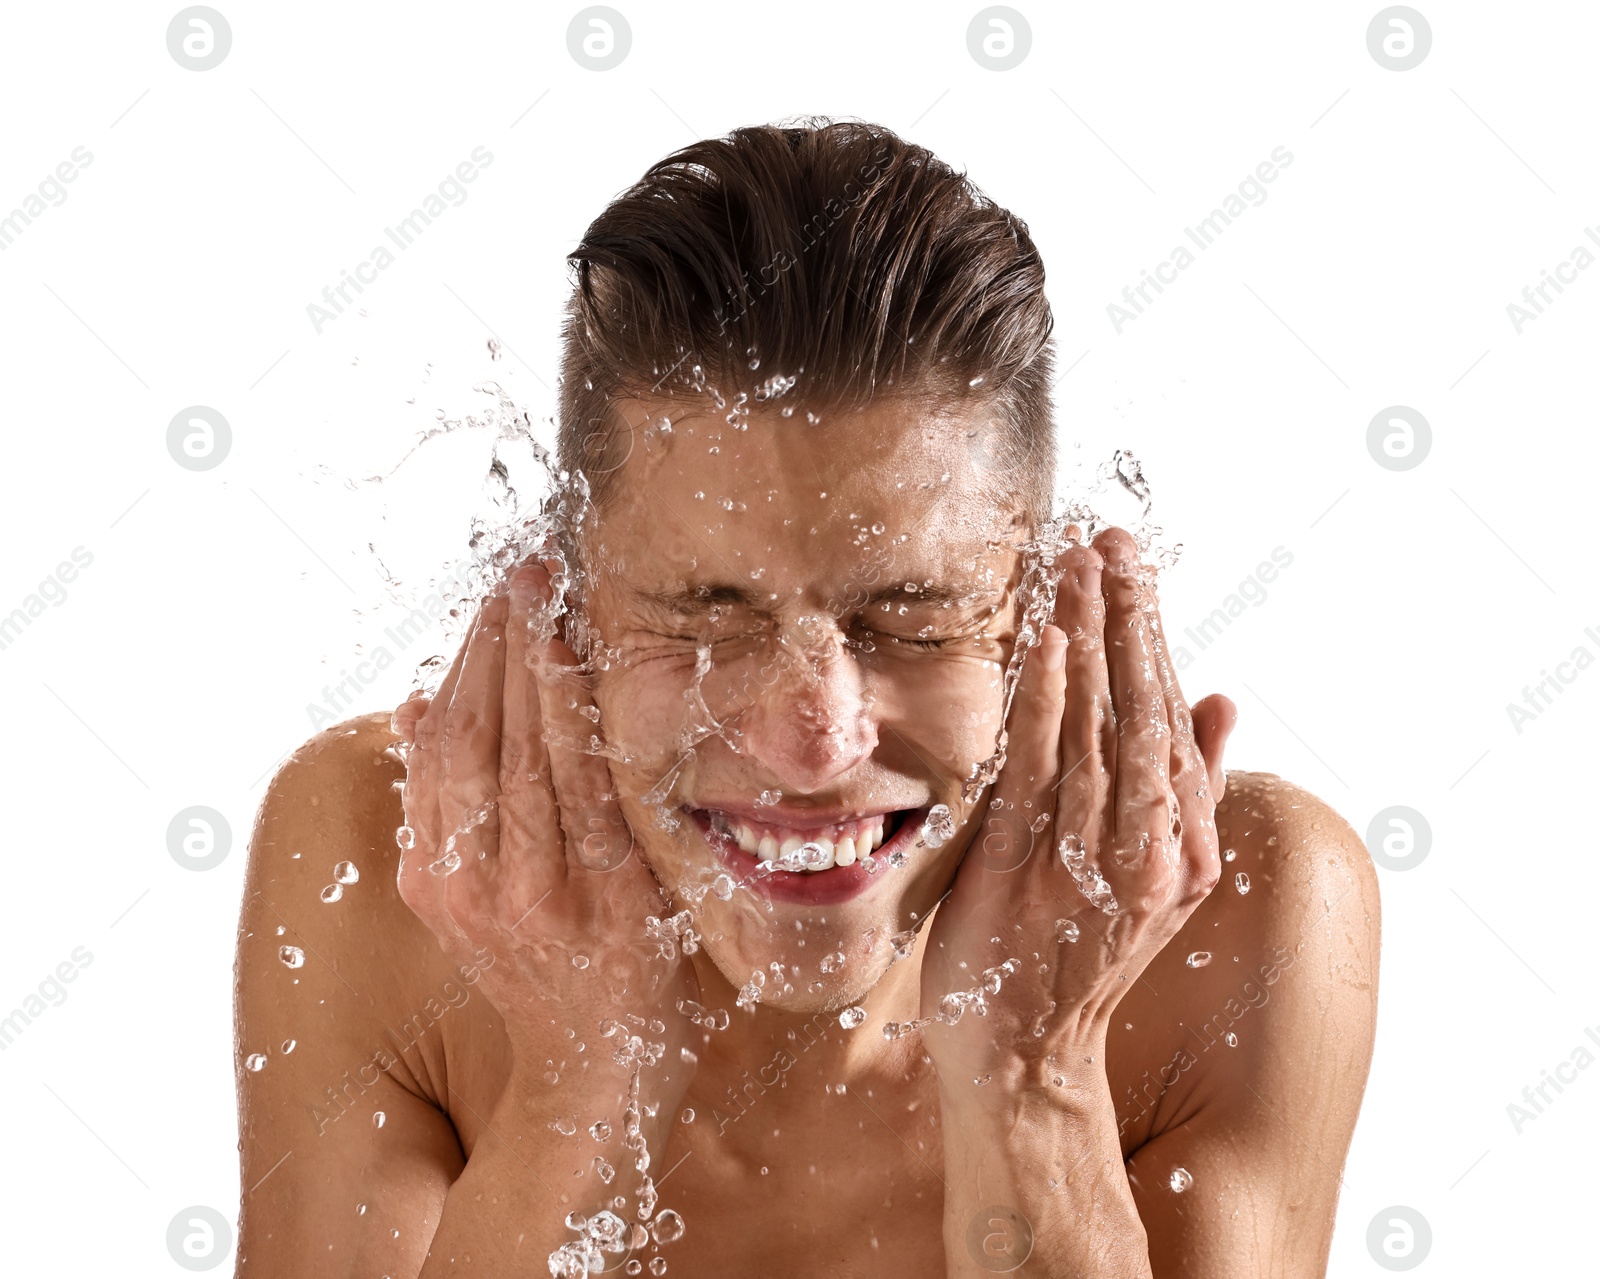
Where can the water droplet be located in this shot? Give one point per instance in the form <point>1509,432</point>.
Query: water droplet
<point>346,873</point>
<point>292,956</point>
<point>832,963</point>
<point>687,1117</point>
<point>332,893</point>
<point>1231,1039</point>
<point>600,1130</point>
<point>379,1118</point>
<point>255,1061</point>
<point>406,837</point>
<point>1228,854</point>
<point>903,943</point>
<point>563,1125</point>
<point>1241,881</point>
<point>667,1227</point>
<point>1067,930</point>
<point>1180,1180</point>
<point>981,1080</point>
<point>850,1018</point>
<point>1198,959</point>
<point>722,886</point>
<point>287,1046</point>
<point>939,826</point>
<point>580,961</point>
<point>658,1265</point>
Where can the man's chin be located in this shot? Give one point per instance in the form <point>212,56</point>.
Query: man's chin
<point>791,993</point>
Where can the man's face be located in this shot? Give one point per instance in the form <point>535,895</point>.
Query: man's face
<point>806,628</point>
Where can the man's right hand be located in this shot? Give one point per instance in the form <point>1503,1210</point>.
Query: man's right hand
<point>518,848</point>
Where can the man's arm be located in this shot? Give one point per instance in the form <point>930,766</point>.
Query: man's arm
<point>1266,1131</point>
<point>325,1189</point>
<point>1263,1135</point>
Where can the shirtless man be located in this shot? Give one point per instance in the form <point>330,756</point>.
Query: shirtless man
<point>795,598</point>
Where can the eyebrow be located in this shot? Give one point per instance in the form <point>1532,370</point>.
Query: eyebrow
<point>703,599</point>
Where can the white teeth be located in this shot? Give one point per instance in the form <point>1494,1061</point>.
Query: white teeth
<point>854,840</point>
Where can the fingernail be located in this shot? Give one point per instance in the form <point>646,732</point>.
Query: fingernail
<point>1053,645</point>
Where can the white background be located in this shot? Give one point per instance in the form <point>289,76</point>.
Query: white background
<point>218,204</point>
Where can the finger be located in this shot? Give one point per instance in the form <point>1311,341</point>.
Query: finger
<point>1026,784</point>
<point>597,837</point>
<point>1214,720</point>
<point>1144,812</point>
<point>403,722</point>
<point>469,780</point>
<point>423,764</point>
<point>1088,730</point>
<point>528,816</point>
<point>1190,780</point>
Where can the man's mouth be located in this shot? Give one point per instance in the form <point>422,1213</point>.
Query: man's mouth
<point>827,858</point>
<point>838,844</point>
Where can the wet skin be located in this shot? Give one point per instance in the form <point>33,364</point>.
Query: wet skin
<point>839,693</point>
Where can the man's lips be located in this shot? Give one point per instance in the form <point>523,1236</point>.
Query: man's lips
<point>900,829</point>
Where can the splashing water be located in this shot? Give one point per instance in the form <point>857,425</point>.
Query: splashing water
<point>509,533</point>
<point>939,827</point>
<point>1091,883</point>
<point>953,1007</point>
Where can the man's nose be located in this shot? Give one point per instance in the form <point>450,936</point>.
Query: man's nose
<point>812,724</point>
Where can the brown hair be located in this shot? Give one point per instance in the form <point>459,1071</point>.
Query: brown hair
<point>834,252</point>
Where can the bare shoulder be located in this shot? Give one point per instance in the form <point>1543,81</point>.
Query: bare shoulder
<point>328,952</point>
<point>1305,869</point>
<point>1288,995</point>
<point>340,1067</point>
<point>1261,1017</point>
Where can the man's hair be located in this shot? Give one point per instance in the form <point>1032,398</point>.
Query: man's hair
<point>835,253</point>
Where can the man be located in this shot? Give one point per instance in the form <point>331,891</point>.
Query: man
<point>727,932</point>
